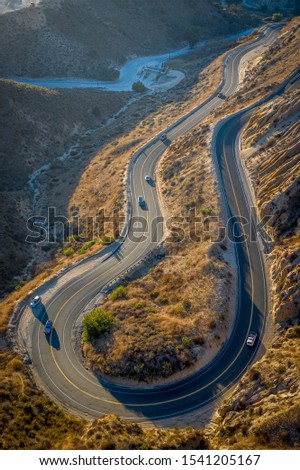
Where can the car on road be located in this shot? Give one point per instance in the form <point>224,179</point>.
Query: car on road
<point>251,339</point>
<point>163,137</point>
<point>147,178</point>
<point>141,200</point>
<point>48,327</point>
<point>222,96</point>
<point>35,301</point>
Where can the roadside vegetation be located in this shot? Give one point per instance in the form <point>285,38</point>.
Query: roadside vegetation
<point>139,87</point>
<point>264,409</point>
<point>174,318</point>
<point>96,323</point>
<point>30,420</point>
<point>263,412</point>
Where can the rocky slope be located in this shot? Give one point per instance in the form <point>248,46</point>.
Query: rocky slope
<point>89,38</point>
<point>264,410</point>
<point>175,318</point>
<point>37,126</point>
<point>272,137</point>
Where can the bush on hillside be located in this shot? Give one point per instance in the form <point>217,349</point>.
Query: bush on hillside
<point>139,87</point>
<point>96,323</point>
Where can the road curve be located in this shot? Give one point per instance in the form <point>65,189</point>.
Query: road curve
<point>56,363</point>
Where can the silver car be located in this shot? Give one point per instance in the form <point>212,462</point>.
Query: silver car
<point>35,301</point>
<point>251,339</point>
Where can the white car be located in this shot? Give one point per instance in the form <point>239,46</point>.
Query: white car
<point>48,327</point>
<point>251,339</point>
<point>141,200</point>
<point>147,178</point>
<point>35,301</point>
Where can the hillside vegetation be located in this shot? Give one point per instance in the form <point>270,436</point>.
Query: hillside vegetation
<point>29,420</point>
<point>264,409</point>
<point>36,127</point>
<point>97,133</point>
<point>92,38</point>
<point>179,315</point>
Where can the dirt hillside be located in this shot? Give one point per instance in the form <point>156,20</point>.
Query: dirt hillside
<point>92,38</point>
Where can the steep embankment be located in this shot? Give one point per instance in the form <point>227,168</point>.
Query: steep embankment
<point>37,126</point>
<point>90,38</point>
<point>264,410</point>
<point>177,317</point>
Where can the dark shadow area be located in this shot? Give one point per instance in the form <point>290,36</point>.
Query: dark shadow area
<point>144,206</point>
<point>58,170</point>
<point>53,340</point>
<point>40,313</point>
<point>166,142</point>
<point>118,254</point>
<point>151,183</point>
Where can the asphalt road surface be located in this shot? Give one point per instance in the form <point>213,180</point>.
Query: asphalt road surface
<point>55,361</point>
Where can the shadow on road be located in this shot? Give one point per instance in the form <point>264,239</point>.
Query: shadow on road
<point>40,313</point>
<point>152,183</point>
<point>53,340</point>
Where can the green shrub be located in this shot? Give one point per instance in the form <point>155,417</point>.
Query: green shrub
<point>139,87</point>
<point>207,211</point>
<point>74,237</point>
<point>154,294</point>
<point>179,309</point>
<point>164,300</point>
<point>186,341</point>
<point>276,17</point>
<point>107,240</point>
<point>138,306</point>
<point>119,292</point>
<point>189,204</point>
<point>88,245</point>
<point>69,251</point>
<point>96,323</point>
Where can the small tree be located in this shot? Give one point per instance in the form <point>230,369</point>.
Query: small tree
<point>139,87</point>
<point>276,17</point>
<point>119,292</point>
<point>96,323</point>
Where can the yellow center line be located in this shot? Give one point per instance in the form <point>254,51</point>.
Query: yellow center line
<point>199,389</point>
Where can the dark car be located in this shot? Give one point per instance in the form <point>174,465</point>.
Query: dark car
<point>141,200</point>
<point>48,327</point>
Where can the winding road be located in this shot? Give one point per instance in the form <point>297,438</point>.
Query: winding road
<point>57,366</point>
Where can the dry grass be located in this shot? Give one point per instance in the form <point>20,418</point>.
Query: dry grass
<point>176,315</point>
<point>272,156</point>
<point>72,194</point>
<point>264,410</point>
<point>265,73</point>
<point>29,420</point>
<point>60,46</point>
